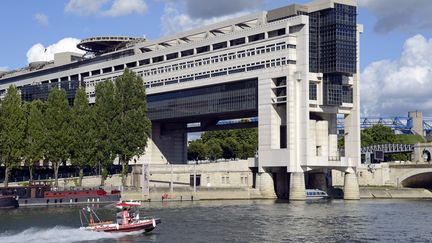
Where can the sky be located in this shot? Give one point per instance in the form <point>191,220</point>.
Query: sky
<point>396,46</point>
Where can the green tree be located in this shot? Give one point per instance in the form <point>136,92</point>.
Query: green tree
<point>83,134</point>
<point>377,134</point>
<point>34,134</point>
<point>105,111</point>
<point>231,148</point>
<point>197,150</point>
<point>214,149</point>
<point>131,124</point>
<point>12,125</point>
<point>57,128</point>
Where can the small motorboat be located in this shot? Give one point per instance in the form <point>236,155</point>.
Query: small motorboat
<point>313,194</point>
<point>127,221</point>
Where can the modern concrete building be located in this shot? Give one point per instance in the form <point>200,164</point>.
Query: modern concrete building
<point>296,68</point>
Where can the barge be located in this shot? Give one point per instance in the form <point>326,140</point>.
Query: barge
<point>41,195</point>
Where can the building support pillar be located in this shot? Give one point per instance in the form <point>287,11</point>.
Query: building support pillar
<point>266,185</point>
<point>297,187</point>
<point>351,186</point>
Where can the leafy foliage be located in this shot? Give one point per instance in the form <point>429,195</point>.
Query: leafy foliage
<point>228,144</point>
<point>131,126</point>
<point>105,111</point>
<point>57,139</point>
<point>12,126</point>
<point>83,134</point>
<point>34,134</point>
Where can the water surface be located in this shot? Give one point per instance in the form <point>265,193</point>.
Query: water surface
<point>237,221</point>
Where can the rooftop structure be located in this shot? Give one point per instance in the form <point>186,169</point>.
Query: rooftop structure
<point>104,44</point>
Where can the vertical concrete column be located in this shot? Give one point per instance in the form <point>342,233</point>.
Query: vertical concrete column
<point>332,136</point>
<point>266,185</point>
<point>297,187</point>
<point>417,122</point>
<point>351,186</point>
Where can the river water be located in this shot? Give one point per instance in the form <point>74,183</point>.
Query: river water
<point>237,221</point>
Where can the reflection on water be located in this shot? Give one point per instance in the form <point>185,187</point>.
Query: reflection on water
<point>236,221</point>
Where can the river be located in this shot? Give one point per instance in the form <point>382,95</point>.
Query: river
<point>237,221</point>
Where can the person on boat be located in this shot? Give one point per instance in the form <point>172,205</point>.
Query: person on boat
<point>125,216</point>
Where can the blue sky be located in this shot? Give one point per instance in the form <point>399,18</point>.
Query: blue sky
<point>395,48</point>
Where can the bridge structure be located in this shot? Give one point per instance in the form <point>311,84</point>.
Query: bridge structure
<point>376,152</point>
<point>399,124</point>
<point>268,65</point>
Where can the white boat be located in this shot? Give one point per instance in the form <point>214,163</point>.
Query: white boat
<point>313,194</point>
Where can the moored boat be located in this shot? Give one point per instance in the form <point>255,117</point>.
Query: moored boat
<point>40,194</point>
<point>313,194</point>
<point>8,202</point>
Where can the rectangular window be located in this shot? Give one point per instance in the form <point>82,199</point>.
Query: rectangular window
<point>119,67</point>
<point>95,72</point>
<point>187,53</point>
<point>256,37</point>
<point>203,49</point>
<point>238,41</point>
<point>313,92</point>
<point>276,33</point>
<point>220,45</point>
<point>131,64</point>
<point>144,62</point>
<point>158,59</point>
<point>172,56</point>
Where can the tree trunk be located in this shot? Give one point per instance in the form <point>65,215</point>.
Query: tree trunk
<point>103,176</point>
<point>31,172</point>
<point>6,180</point>
<point>124,171</point>
<point>56,166</point>
<point>81,175</point>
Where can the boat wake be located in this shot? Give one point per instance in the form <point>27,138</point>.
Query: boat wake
<point>59,234</point>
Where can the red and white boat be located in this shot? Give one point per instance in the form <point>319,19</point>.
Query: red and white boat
<point>127,204</point>
<point>126,222</point>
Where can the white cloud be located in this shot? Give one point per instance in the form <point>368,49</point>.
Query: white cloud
<point>39,52</point>
<point>394,87</point>
<point>402,15</point>
<point>84,7</point>
<point>41,18</point>
<point>173,21</point>
<point>4,69</point>
<point>111,8</point>
<point>126,7</point>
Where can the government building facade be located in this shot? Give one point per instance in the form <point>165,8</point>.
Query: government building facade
<point>295,68</point>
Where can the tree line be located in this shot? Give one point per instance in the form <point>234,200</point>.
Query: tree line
<point>86,135</point>
<point>228,144</point>
<point>380,134</point>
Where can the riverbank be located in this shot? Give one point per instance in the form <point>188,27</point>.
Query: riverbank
<point>185,194</point>
<point>394,193</point>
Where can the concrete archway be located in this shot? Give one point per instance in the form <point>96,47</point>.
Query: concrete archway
<point>422,179</point>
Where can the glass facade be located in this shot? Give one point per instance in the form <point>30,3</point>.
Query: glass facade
<point>41,91</point>
<point>333,40</point>
<point>218,99</point>
<point>337,90</point>
<point>333,50</point>
<point>313,95</point>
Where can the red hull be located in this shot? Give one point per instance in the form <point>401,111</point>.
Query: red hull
<point>147,226</point>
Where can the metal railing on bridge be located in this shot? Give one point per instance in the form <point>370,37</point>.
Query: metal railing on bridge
<point>399,123</point>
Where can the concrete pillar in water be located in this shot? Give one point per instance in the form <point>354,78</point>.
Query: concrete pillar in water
<point>351,186</point>
<point>266,185</point>
<point>297,187</point>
